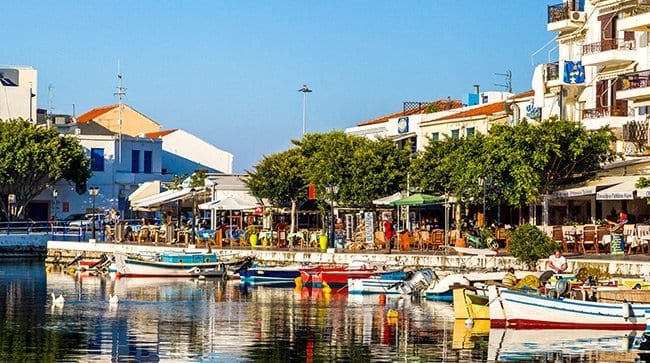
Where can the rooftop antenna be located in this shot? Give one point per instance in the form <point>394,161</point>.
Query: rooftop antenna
<point>121,92</point>
<point>50,107</point>
<point>508,85</point>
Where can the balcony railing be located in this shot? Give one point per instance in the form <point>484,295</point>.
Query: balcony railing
<point>634,80</point>
<point>561,11</point>
<point>599,112</point>
<point>608,44</point>
<point>552,71</point>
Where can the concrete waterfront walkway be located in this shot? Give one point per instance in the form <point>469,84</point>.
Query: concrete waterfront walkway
<point>443,259</point>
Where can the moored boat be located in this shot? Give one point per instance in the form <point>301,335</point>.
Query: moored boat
<point>179,264</point>
<point>515,309</point>
<point>337,276</point>
<point>396,282</point>
<point>258,274</point>
<point>470,303</point>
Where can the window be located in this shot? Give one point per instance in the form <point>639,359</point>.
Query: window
<point>147,162</point>
<point>435,136</point>
<point>470,131</point>
<point>455,133</point>
<point>97,159</point>
<point>135,161</point>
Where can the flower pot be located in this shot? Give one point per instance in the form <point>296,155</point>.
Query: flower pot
<point>322,240</point>
<point>253,241</point>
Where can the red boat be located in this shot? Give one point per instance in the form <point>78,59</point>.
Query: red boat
<point>336,276</point>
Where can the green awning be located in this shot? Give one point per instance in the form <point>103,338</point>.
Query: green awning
<point>419,199</point>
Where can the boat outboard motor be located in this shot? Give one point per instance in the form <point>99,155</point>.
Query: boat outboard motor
<point>561,287</point>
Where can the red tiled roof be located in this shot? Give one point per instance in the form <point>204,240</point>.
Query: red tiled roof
<point>489,109</point>
<point>442,104</point>
<point>157,134</point>
<point>95,112</point>
<point>530,93</point>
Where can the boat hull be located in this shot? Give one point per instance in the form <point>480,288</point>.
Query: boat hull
<point>518,310</point>
<point>334,277</point>
<point>269,275</point>
<point>392,283</point>
<point>133,267</point>
<point>466,307</point>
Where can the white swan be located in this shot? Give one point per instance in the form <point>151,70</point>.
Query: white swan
<point>113,299</point>
<point>57,301</point>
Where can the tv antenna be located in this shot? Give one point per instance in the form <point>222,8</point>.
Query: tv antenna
<point>508,77</point>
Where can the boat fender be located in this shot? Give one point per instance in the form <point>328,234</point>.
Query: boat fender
<point>551,294</point>
<point>196,270</point>
<point>626,310</point>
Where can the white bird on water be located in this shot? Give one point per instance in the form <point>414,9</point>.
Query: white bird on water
<point>113,299</point>
<point>57,301</point>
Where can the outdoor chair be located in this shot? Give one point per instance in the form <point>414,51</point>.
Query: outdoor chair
<point>425,237</point>
<point>557,235</point>
<point>643,236</point>
<point>380,239</point>
<point>588,243</point>
<point>437,239</point>
<point>143,235</point>
<point>110,234</point>
<point>603,239</point>
<point>630,238</point>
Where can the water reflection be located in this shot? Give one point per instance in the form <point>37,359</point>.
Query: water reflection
<point>212,320</point>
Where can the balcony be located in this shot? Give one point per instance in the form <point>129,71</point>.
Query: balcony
<point>635,18</point>
<point>565,17</point>
<point>595,118</point>
<point>609,52</point>
<point>634,86</point>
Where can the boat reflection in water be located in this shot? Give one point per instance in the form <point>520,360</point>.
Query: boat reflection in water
<point>551,344</point>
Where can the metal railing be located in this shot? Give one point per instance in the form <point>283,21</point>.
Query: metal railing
<point>608,44</point>
<point>599,112</point>
<point>634,80</point>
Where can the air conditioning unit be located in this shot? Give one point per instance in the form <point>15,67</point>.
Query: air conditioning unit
<point>578,16</point>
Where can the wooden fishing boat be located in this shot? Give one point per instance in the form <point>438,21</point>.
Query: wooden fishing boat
<point>515,309</point>
<point>470,303</point>
<point>166,264</point>
<point>338,276</point>
<point>259,274</point>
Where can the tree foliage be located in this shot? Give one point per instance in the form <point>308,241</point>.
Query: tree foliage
<point>529,243</point>
<point>520,162</point>
<point>33,158</point>
<point>363,169</point>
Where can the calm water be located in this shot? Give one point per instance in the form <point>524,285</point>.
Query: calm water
<point>184,320</point>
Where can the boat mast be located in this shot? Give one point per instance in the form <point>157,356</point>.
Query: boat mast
<point>121,92</point>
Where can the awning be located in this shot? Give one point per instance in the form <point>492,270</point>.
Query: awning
<point>589,187</point>
<point>165,197</point>
<point>624,191</point>
<point>145,190</point>
<point>387,200</point>
<point>229,203</point>
<point>611,72</point>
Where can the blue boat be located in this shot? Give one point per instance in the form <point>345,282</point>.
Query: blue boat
<point>258,274</point>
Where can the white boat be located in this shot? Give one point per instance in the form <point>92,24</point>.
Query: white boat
<point>513,309</point>
<point>396,282</point>
<point>441,289</point>
<point>166,264</point>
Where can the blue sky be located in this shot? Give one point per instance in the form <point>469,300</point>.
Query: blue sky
<point>229,71</point>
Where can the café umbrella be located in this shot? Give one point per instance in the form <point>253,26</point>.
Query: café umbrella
<point>418,199</point>
<point>229,203</point>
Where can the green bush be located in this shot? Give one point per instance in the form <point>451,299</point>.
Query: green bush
<point>529,243</point>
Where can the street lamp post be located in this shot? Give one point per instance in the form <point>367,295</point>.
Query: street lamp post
<point>304,91</point>
<point>193,216</point>
<point>93,191</point>
<point>55,195</point>
<point>332,190</point>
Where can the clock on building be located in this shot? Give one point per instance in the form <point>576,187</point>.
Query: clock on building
<point>403,125</point>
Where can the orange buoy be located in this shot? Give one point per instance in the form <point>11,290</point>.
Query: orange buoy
<point>382,299</point>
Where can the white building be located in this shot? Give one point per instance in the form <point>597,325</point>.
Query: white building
<point>18,92</point>
<point>183,152</point>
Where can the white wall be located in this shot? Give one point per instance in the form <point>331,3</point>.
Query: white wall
<point>186,153</point>
<point>15,101</point>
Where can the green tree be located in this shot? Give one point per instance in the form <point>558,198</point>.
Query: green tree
<point>279,178</point>
<point>363,169</point>
<point>529,243</point>
<point>35,157</point>
<point>535,159</point>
